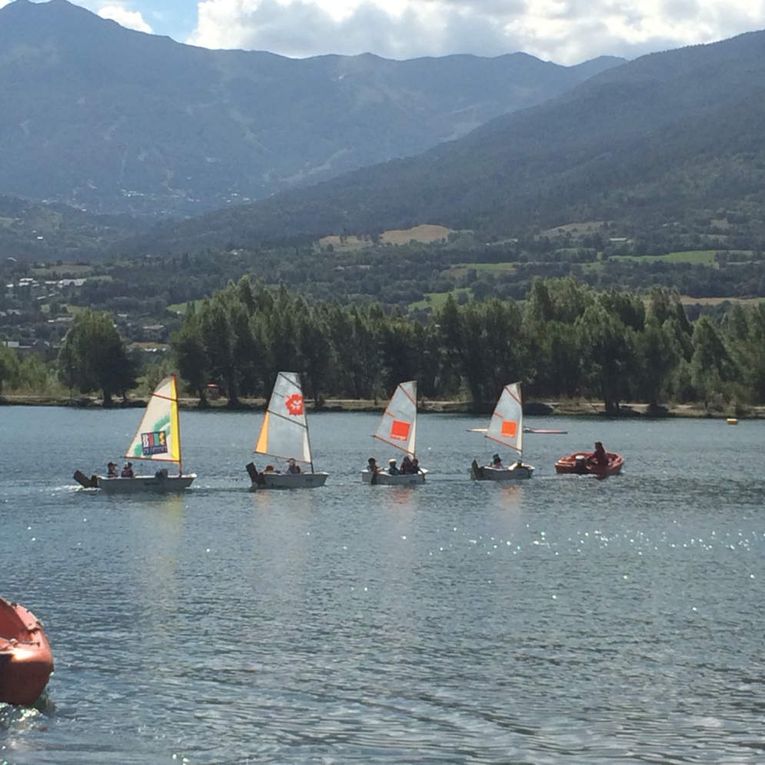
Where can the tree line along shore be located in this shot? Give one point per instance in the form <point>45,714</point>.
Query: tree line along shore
<point>587,350</point>
<point>532,409</point>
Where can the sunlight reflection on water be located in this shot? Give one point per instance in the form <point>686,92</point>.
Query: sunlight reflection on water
<point>564,618</point>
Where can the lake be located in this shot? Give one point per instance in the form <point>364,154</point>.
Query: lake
<point>563,619</point>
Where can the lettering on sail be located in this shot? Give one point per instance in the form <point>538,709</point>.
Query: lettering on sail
<point>154,443</point>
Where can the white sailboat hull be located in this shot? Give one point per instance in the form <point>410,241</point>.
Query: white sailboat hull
<point>513,473</point>
<point>385,479</point>
<point>289,481</point>
<point>145,483</point>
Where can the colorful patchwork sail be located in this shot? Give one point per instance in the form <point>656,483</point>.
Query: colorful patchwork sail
<point>506,426</point>
<point>284,432</point>
<point>398,426</point>
<point>158,437</point>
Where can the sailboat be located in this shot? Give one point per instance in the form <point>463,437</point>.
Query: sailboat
<point>398,428</point>
<point>158,440</point>
<point>284,435</point>
<point>506,428</point>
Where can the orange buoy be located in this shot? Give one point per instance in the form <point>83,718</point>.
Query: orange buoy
<point>26,659</point>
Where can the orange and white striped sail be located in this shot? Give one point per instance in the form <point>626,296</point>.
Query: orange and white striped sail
<point>284,432</point>
<point>158,437</point>
<point>506,426</point>
<point>398,426</point>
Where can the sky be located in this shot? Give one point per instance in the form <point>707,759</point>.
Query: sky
<point>563,31</point>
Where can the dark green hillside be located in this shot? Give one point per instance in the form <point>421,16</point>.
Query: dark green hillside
<point>114,120</point>
<point>670,138</point>
<point>30,231</point>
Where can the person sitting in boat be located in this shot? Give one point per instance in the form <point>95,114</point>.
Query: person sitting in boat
<point>392,469</point>
<point>127,471</point>
<point>111,470</point>
<point>406,466</point>
<point>415,465</point>
<point>270,469</point>
<point>292,466</point>
<point>372,466</point>
<point>496,462</point>
<point>599,456</point>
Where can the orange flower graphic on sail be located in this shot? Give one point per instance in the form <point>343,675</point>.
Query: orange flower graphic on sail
<point>294,404</point>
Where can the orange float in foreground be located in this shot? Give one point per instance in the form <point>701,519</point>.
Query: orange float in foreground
<point>26,660</point>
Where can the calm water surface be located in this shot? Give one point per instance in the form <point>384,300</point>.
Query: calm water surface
<point>566,619</point>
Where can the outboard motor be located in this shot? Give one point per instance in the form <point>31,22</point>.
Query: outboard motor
<point>580,464</point>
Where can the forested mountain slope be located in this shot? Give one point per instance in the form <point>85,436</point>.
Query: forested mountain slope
<point>114,120</point>
<point>668,136</point>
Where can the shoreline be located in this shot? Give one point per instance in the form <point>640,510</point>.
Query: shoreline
<point>565,408</point>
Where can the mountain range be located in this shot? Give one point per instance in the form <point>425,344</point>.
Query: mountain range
<point>113,120</point>
<point>670,138</point>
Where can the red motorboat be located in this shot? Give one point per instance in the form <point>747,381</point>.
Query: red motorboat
<point>583,463</point>
<point>26,660</point>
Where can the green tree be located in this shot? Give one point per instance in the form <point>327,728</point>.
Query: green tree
<point>711,364</point>
<point>93,357</point>
<point>658,357</point>
<point>9,366</point>
<point>191,358</point>
<point>607,354</point>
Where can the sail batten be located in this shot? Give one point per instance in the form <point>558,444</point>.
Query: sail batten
<point>398,425</point>
<point>158,438</point>
<point>284,432</point>
<point>506,425</point>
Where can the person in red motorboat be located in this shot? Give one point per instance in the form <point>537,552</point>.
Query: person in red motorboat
<point>599,456</point>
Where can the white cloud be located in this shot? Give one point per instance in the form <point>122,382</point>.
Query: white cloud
<point>565,31</point>
<point>124,16</point>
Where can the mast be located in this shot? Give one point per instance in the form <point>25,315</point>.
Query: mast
<point>308,440</point>
<point>177,423</point>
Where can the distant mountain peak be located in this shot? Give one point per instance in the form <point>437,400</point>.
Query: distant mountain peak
<point>114,120</point>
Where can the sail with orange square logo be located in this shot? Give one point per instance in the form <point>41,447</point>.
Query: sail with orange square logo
<point>398,426</point>
<point>506,426</point>
<point>284,432</point>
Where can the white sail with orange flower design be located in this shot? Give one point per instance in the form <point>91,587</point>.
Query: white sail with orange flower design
<point>398,428</point>
<point>284,436</point>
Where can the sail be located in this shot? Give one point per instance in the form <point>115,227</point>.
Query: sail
<point>506,426</point>
<point>284,432</point>
<point>158,437</point>
<point>398,426</point>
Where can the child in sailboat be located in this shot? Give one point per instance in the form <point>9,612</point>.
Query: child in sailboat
<point>111,470</point>
<point>292,466</point>
<point>127,471</point>
<point>392,469</point>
